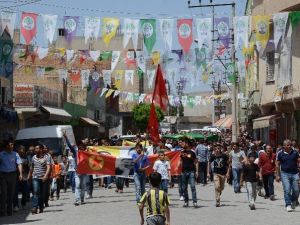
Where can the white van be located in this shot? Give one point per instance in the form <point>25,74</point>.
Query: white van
<point>51,136</point>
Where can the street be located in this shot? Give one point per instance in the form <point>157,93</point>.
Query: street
<point>110,208</point>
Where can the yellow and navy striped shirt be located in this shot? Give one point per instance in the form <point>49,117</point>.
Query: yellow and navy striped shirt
<point>155,201</point>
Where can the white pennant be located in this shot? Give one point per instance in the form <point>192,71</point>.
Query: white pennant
<point>92,27</point>
<point>166,30</point>
<point>42,52</point>
<point>241,26</point>
<point>70,54</point>
<point>129,96</point>
<point>95,55</point>
<point>204,32</point>
<point>85,74</point>
<point>114,59</point>
<point>184,100</point>
<point>103,91</point>
<point>8,21</point>
<point>116,93</point>
<point>131,30</point>
<point>49,26</point>
<point>62,74</point>
<point>106,77</point>
<point>280,21</point>
<point>171,100</point>
<point>198,100</point>
<point>141,98</point>
<point>141,61</point>
<point>129,74</point>
<point>40,72</point>
<point>150,77</point>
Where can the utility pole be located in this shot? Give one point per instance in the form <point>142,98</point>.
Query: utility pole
<point>234,85</point>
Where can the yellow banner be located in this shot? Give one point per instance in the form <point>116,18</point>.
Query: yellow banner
<point>109,29</point>
<point>119,74</point>
<point>131,143</point>
<point>262,29</point>
<point>155,57</point>
<point>111,150</point>
<point>110,91</point>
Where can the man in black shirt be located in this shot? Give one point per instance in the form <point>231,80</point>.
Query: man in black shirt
<point>189,173</point>
<point>250,173</point>
<point>219,161</point>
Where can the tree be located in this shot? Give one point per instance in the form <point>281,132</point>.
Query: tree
<point>141,115</point>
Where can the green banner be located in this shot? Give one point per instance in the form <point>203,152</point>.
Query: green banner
<point>200,57</point>
<point>230,71</point>
<point>295,18</point>
<point>149,31</point>
<point>6,51</point>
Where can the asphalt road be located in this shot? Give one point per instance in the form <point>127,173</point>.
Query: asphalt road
<point>110,208</point>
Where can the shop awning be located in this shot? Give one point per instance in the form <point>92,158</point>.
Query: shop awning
<point>225,122</point>
<point>89,121</point>
<point>26,110</point>
<point>262,122</point>
<point>57,114</point>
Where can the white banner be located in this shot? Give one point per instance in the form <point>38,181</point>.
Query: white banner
<point>40,72</point>
<point>95,55</point>
<point>42,52</point>
<point>141,61</point>
<point>49,26</point>
<point>92,27</point>
<point>150,77</point>
<point>85,74</point>
<point>114,59</point>
<point>240,26</point>
<point>280,21</point>
<point>62,74</point>
<point>166,30</point>
<point>8,20</point>
<point>131,30</point>
<point>103,91</point>
<point>198,100</point>
<point>141,98</point>
<point>184,100</point>
<point>116,93</point>
<point>70,54</point>
<point>129,75</point>
<point>204,32</point>
<point>106,77</point>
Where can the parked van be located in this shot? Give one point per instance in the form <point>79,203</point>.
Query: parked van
<point>51,136</point>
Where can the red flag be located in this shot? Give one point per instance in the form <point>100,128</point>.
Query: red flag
<point>95,163</point>
<point>185,33</point>
<point>160,95</point>
<point>28,26</point>
<point>153,125</point>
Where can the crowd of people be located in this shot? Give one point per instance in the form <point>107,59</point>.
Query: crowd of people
<point>39,175</point>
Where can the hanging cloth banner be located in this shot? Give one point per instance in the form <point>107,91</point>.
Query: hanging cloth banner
<point>109,29</point>
<point>49,22</point>
<point>141,61</point>
<point>184,100</point>
<point>280,21</point>
<point>94,55</point>
<point>70,26</point>
<point>185,33</point>
<point>179,53</point>
<point>200,57</point>
<point>204,33</point>
<point>116,93</point>
<point>28,26</point>
<point>103,91</point>
<point>129,75</point>
<point>40,72</point>
<point>141,98</point>
<point>198,100</point>
<point>295,18</point>
<point>62,74</point>
<point>8,20</point>
<point>85,74</point>
<point>95,80</point>
<point>222,27</point>
<point>131,31</point>
<point>155,56</point>
<point>70,54</point>
<point>92,27</point>
<point>75,77</point>
<point>230,70</point>
<point>150,77</point>
<point>130,59</point>
<point>119,74</point>
<point>262,27</point>
<point>166,30</point>
<point>240,26</point>
<point>106,77</point>
<point>108,94</point>
<point>149,31</point>
<point>6,50</point>
<point>114,59</point>
<point>42,52</point>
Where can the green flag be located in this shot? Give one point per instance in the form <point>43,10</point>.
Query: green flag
<point>191,101</point>
<point>149,31</point>
<point>140,73</point>
<point>200,57</point>
<point>230,70</point>
<point>106,55</point>
<point>295,18</point>
<point>6,51</point>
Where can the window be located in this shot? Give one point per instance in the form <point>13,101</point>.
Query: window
<point>270,67</point>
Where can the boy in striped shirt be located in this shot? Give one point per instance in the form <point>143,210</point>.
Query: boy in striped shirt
<point>157,203</point>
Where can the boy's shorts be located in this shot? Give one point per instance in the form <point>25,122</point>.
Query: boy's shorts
<point>156,220</point>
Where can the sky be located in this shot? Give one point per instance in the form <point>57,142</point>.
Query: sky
<point>121,9</point>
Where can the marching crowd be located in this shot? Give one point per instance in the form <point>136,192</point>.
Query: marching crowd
<point>39,175</point>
